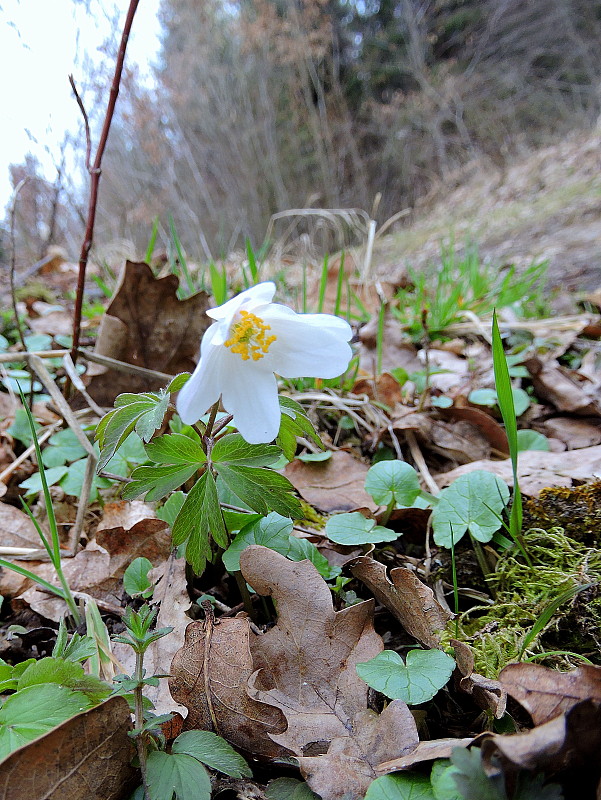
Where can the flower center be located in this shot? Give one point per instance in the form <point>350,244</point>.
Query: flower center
<point>249,337</point>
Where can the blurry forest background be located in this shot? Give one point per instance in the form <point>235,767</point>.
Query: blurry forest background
<point>265,105</point>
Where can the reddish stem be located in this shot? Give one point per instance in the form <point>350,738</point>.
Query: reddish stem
<point>94,170</point>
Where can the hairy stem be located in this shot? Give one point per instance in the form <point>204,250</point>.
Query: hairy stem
<point>139,719</point>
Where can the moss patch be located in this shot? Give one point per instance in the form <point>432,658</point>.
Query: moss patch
<point>559,563</point>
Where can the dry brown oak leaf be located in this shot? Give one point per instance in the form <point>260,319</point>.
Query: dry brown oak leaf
<point>147,325</point>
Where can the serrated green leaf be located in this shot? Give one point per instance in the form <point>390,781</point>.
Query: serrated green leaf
<point>34,711</point>
<point>405,786</point>
<point>72,483</point>
<point>157,481</point>
<point>471,779</point>
<point>200,519</point>
<point>414,681</point>
<point>262,489</point>
<point>354,528</point>
<point>65,673</point>
<point>393,481</point>
<point>176,774</point>
<point>135,577</point>
<point>63,447</point>
<point>178,382</point>
<point>34,484</point>
<point>473,502</point>
<point>174,448</point>
<point>233,450</point>
<point>213,751</point>
<point>143,412</point>
<point>171,507</point>
<point>20,428</point>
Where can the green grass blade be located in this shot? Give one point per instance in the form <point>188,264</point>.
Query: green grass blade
<point>180,254</point>
<point>380,339</point>
<point>323,284</point>
<point>32,576</point>
<point>252,262</point>
<point>507,408</point>
<point>339,284</point>
<point>152,241</point>
<point>547,613</point>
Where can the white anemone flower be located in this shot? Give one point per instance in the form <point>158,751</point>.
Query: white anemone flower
<point>250,340</point>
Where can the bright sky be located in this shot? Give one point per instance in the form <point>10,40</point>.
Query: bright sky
<point>41,43</point>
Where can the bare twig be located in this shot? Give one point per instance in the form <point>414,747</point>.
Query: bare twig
<point>123,366</point>
<point>95,170</point>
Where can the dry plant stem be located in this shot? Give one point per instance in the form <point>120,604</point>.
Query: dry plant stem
<point>78,383</point>
<point>123,366</point>
<point>8,357</point>
<point>94,170</point>
<point>421,463</point>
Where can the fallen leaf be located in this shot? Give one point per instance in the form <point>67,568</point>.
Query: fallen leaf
<point>546,693</point>
<point>306,662</point>
<point>209,676</point>
<point>575,433</point>
<point>333,485</point>
<point>560,388</point>
<point>384,389</point>
<point>487,425</point>
<point>84,572</point>
<point>425,751</point>
<point>459,441</point>
<point>128,530</point>
<point>16,529</point>
<point>453,369</point>
<point>537,469</point>
<point>406,597</point>
<point>86,758</point>
<point>350,765</point>
<point>571,742</point>
<point>148,326</point>
<point>489,695</point>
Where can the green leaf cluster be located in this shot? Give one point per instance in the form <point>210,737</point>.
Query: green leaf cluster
<point>143,413</point>
<point>181,774</point>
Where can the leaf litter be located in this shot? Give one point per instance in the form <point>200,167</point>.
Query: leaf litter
<point>292,691</point>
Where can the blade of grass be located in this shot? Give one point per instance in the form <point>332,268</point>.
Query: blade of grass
<point>152,240</point>
<point>380,338</point>
<point>252,262</point>
<point>547,613</point>
<point>54,552</point>
<point>507,408</point>
<point>180,254</point>
<point>323,283</point>
<point>339,286</point>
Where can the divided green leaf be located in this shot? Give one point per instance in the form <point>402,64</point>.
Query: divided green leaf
<point>199,519</point>
<point>400,786</point>
<point>213,751</point>
<point>261,489</point>
<point>176,775</point>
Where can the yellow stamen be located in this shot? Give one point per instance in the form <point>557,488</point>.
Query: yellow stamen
<point>249,337</point>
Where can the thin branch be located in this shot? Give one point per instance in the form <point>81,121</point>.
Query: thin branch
<point>86,123</point>
<point>95,175</point>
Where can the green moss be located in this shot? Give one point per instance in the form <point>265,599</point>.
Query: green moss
<point>496,632</point>
<point>577,511</point>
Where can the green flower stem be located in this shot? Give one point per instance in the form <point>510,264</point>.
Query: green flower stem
<point>246,598</point>
<point>139,718</point>
<point>388,512</point>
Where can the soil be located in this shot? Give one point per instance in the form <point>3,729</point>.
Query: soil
<point>546,206</point>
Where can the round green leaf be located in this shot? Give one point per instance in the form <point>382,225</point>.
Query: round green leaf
<point>415,681</point>
<point>483,397</point>
<point>135,577</point>
<point>473,502</point>
<point>389,481</point>
<point>532,440</point>
<point>354,528</point>
<point>401,786</point>
<point>34,483</point>
<point>272,531</point>
<point>521,401</point>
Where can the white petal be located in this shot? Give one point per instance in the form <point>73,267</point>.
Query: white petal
<point>203,388</point>
<point>257,295</point>
<point>307,345</point>
<point>250,393</point>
